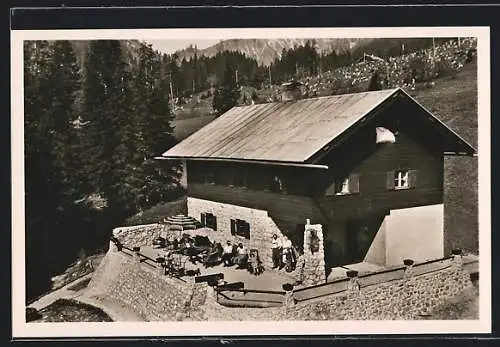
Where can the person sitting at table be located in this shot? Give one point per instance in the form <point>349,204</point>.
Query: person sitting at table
<point>228,254</point>
<point>214,256</point>
<point>241,256</point>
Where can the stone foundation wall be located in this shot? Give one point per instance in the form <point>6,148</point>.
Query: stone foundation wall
<point>262,227</point>
<point>138,235</point>
<point>155,297</point>
<point>401,299</point>
<point>142,290</point>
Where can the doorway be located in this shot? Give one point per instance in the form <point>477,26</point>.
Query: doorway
<point>359,237</point>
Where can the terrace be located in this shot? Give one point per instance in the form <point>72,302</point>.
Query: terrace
<point>235,287</point>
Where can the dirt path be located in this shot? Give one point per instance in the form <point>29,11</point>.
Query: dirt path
<point>61,293</point>
<point>116,311</point>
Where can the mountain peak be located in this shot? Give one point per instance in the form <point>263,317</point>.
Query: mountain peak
<point>264,51</point>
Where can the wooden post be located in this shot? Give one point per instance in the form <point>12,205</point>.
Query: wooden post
<point>457,260</point>
<point>408,268</point>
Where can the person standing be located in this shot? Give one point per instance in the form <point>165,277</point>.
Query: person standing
<point>241,256</point>
<point>227,254</point>
<point>287,254</point>
<point>276,251</point>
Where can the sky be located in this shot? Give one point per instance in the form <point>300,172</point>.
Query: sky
<point>170,46</point>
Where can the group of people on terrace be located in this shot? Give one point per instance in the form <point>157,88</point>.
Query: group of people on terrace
<point>199,249</point>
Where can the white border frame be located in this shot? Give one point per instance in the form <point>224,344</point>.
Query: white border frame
<point>23,330</point>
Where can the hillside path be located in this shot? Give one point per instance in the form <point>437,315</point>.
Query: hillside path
<point>61,293</point>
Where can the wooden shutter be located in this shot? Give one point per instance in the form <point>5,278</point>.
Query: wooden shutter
<point>233,227</point>
<point>247,230</point>
<point>203,219</point>
<point>354,183</point>
<point>412,178</point>
<point>213,221</point>
<point>390,180</point>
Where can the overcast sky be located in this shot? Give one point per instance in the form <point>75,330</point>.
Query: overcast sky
<point>170,46</point>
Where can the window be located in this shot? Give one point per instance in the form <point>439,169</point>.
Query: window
<point>240,228</point>
<point>209,220</point>
<point>344,186</point>
<point>401,179</point>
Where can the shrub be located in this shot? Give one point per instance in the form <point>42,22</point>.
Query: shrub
<point>32,314</point>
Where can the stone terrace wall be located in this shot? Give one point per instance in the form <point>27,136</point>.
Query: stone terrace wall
<point>400,299</point>
<point>141,289</point>
<point>138,235</point>
<point>155,297</point>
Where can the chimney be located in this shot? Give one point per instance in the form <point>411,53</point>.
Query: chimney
<point>290,91</point>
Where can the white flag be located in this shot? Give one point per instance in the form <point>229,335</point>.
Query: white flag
<point>384,135</point>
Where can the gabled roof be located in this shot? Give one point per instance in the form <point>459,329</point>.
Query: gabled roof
<point>283,132</point>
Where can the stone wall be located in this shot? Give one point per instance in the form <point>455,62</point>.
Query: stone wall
<point>155,297</point>
<point>262,227</point>
<point>142,290</point>
<point>401,299</point>
<point>138,235</point>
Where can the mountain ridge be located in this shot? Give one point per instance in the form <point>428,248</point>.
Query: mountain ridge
<point>264,51</point>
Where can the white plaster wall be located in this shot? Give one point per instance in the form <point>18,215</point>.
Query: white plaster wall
<point>415,233</point>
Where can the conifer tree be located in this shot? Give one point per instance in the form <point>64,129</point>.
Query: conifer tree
<point>51,85</point>
<point>109,129</point>
<point>228,94</point>
<point>64,78</point>
<point>153,119</point>
<point>375,83</point>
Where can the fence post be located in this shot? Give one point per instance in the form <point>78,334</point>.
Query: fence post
<point>351,308</point>
<point>137,256</point>
<point>288,300</point>
<point>160,262</point>
<point>408,268</point>
<point>353,287</point>
<point>457,260</point>
<point>400,308</point>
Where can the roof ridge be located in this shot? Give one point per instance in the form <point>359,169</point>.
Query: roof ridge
<point>392,90</point>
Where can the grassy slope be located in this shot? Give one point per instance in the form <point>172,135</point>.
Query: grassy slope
<point>454,101</point>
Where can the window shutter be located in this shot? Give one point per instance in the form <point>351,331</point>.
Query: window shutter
<point>247,230</point>
<point>233,227</point>
<point>203,219</point>
<point>390,180</point>
<point>412,178</point>
<point>214,222</point>
<point>354,183</point>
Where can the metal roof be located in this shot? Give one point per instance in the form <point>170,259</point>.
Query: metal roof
<point>286,132</point>
<point>280,131</point>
